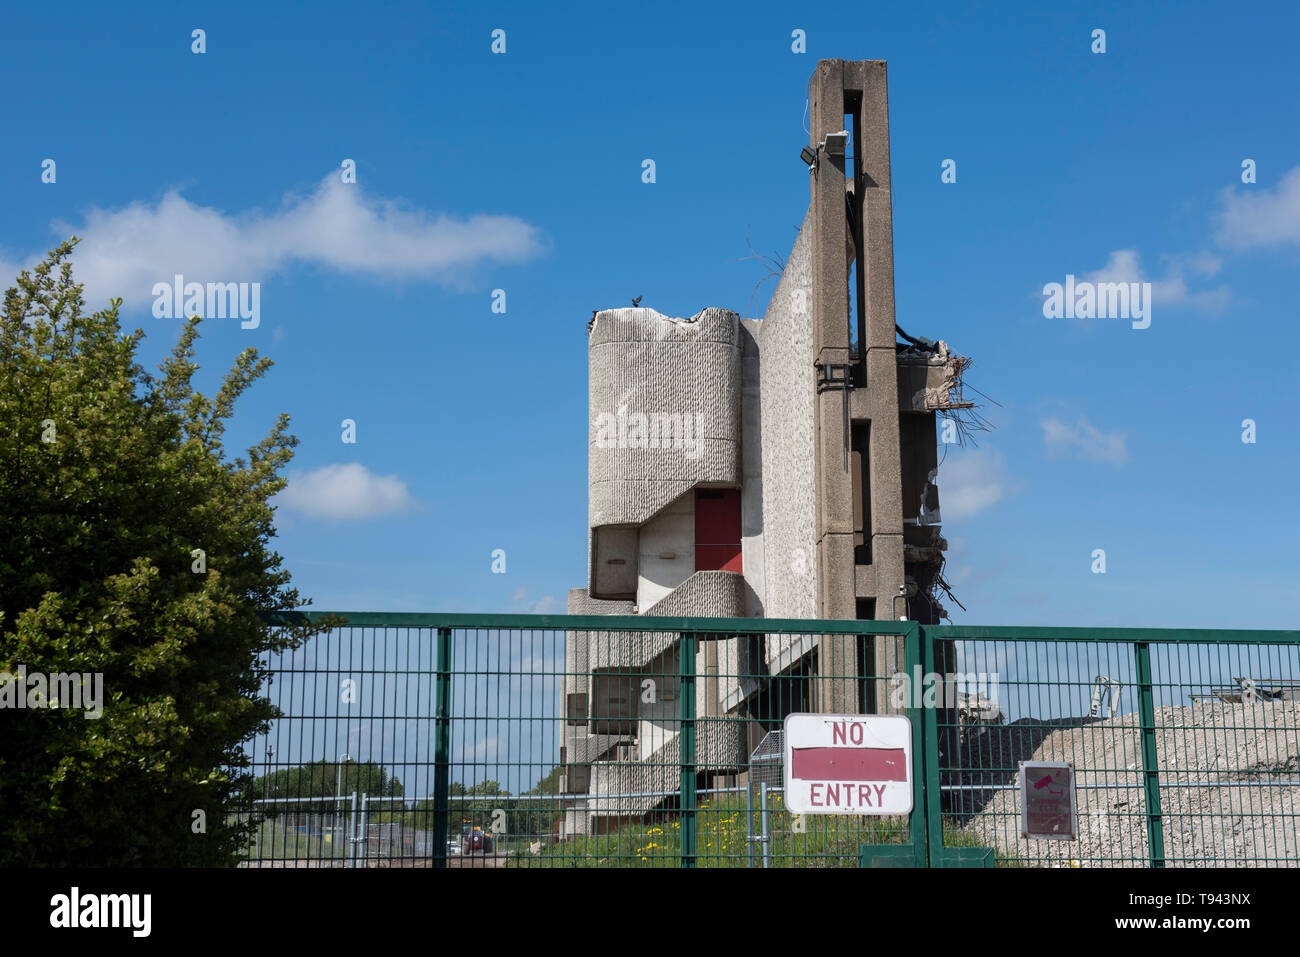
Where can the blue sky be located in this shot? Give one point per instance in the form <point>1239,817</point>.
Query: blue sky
<point>522,171</point>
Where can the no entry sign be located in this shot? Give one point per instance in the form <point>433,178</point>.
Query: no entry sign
<point>848,764</point>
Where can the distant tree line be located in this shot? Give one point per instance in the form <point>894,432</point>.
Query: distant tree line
<point>489,806</point>
<point>485,805</point>
<point>325,779</point>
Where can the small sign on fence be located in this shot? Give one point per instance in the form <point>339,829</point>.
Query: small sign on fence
<point>848,764</point>
<point>1048,808</point>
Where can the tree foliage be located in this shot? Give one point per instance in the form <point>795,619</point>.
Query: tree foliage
<point>488,805</point>
<point>110,478</point>
<point>328,779</point>
<point>551,783</point>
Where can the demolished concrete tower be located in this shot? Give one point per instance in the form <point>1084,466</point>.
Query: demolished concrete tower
<point>782,468</point>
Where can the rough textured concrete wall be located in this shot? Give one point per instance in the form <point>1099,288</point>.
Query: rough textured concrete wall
<point>786,377</point>
<point>582,648</point>
<point>647,364</point>
<point>711,594</point>
<point>708,594</point>
<point>718,747</point>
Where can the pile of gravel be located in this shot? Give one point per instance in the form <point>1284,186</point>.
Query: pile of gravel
<point>1229,786</point>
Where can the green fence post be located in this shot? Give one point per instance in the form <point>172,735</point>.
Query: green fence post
<point>940,854</point>
<point>1150,758</point>
<point>686,656</point>
<point>442,749</point>
<point>914,852</point>
<point>933,797</point>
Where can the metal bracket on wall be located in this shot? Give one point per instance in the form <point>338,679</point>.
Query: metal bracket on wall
<point>837,375</point>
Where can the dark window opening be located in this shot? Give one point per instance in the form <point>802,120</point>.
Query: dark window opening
<point>866,659</point>
<point>856,209</point>
<point>861,465</point>
<point>788,692</point>
<point>614,703</point>
<point>576,777</point>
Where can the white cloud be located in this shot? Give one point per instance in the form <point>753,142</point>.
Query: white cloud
<point>9,271</point>
<point>1085,439</point>
<point>1254,216</point>
<point>337,226</point>
<point>345,491</point>
<point>548,605</point>
<point>971,482</point>
<point>475,752</point>
<point>1249,217</point>
<point>1125,265</point>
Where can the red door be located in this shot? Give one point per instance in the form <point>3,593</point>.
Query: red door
<point>717,530</point>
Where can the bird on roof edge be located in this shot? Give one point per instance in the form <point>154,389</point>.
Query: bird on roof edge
<point>637,301</point>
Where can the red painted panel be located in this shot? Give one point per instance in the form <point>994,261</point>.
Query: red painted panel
<point>724,558</point>
<point>717,530</point>
<point>717,516</point>
<point>849,764</point>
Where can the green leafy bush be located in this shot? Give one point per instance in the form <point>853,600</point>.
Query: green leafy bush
<point>110,479</point>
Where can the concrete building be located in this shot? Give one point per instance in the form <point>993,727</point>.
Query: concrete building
<point>782,468</point>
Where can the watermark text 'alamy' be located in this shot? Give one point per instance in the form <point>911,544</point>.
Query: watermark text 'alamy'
<point>214,300</point>
<point>1098,300</point>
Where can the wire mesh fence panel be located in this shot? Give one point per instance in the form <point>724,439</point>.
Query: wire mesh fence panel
<point>301,839</point>
<point>1044,708</point>
<point>549,746</point>
<point>658,729</point>
<point>1173,764</point>
<point>1227,740</point>
<point>353,743</point>
<point>592,741</point>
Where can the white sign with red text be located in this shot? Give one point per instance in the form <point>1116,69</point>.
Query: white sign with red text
<point>848,764</point>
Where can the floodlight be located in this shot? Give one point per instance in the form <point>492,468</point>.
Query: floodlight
<point>836,143</point>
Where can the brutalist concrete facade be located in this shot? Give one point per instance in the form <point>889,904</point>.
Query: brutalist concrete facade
<point>808,438</point>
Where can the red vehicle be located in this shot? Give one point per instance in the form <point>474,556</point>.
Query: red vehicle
<point>474,840</point>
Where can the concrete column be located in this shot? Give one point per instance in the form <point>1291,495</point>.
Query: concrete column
<point>879,354</point>
<point>834,689</point>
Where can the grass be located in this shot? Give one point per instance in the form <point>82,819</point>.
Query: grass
<point>956,837</point>
<point>275,840</point>
<point>721,840</point>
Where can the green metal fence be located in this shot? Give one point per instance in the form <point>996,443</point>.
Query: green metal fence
<point>1196,764</point>
<point>414,740</point>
